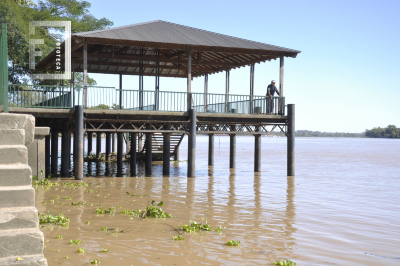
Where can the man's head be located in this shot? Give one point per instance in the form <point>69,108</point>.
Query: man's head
<point>273,82</point>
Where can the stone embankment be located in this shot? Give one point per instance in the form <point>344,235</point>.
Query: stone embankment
<point>21,241</point>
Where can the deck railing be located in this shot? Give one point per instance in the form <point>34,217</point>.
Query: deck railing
<point>44,96</point>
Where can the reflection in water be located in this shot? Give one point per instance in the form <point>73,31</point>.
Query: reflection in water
<point>262,210</point>
<point>290,210</point>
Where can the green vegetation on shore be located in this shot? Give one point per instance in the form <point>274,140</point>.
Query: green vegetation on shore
<point>308,133</point>
<point>391,131</point>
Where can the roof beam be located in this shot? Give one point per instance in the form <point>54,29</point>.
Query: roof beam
<point>151,58</point>
<point>185,47</point>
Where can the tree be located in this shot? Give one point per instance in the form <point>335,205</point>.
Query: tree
<point>18,13</point>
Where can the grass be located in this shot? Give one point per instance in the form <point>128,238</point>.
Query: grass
<point>285,263</point>
<point>152,210</point>
<point>233,243</point>
<point>59,219</point>
<point>75,241</point>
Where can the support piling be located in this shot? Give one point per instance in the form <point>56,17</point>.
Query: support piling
<point>89,143</point>
<point>113,142</point>
<point>120,147</point>
<point>211,150</point>
<point>78,143</point>
<point>108,146</point>
<point>65,153</point>
<point>257,153</point>
<point>54,148</point>
<point>191,170</point>
<point>98,144</point>
<point>148,155</point>
<point>133,154</point>
<point>166,153</point>
<point>232,151</point>
<point>291,140</point>
<point>47,155</point>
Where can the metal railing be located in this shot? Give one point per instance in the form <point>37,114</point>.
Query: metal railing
<point>47,96</point>
<point>44,96</point>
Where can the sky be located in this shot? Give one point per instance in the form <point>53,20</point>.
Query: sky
<point>346,78</point>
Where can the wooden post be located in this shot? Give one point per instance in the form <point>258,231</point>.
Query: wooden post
<point>113,142</point>
<point>251,89</point>
<point>232,151</point>
<point>291,140</point>
<point>191,168</point>
<point>85,96</point>
<point>227,91</point>
<point>65,153</point>
<point>120,91</point>
<point>133,154</point>
<point>78,143</point>
<point>54,148</point>
<point>47,156</point>
<point>141,80</point>
<point>210,149</point>
<point>156,96</point>
<point>108,146</point>
<point>281,69</point>
<point>189,79</point>
<point>98,144</point>
<point>166,153</point>
<point>120,146</point>
<point>89,142</point>
<point>206,93</point>
<point>149,151</point>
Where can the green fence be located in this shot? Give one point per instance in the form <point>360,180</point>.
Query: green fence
<point>3,69</point>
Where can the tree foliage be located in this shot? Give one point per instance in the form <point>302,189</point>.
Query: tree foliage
<point>388,132</point>
<point>18,13</point>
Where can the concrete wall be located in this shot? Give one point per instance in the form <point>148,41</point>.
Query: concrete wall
<point>20,236</point>
<point>36,152</point>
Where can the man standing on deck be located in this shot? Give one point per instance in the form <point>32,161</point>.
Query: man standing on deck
<point>271,89</point>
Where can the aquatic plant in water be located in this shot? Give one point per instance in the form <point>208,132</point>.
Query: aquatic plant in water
<point>94,261</point>
<point>152,210</point>
<point>59,219</point>
<point>233,243</point>
<point>285,263</point>
<point>79,203</point>
<point>81,250</point>
<point>195,227</point>
<point>105,250</point>
<point>178,237</point>
<point>75,241</point>
<point>102,210</point>
<point>59,236</point>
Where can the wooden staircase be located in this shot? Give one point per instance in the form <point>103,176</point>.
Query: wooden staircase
<point>157,143</point>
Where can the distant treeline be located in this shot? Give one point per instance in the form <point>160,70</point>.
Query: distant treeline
<point>390,131</point>
<point>308,133</point>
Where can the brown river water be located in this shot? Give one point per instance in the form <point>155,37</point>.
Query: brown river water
<point>342,208</point>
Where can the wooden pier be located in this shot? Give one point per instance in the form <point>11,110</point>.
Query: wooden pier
<point>137,117</point>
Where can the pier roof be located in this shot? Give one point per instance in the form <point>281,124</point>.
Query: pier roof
<point>117,50</point>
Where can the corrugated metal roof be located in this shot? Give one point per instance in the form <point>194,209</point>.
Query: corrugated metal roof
<point>165,32</point>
